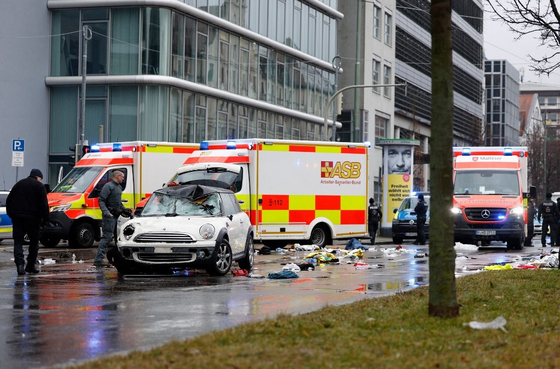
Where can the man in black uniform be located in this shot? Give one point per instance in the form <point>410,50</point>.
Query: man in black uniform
<point>112,207</point>
<point>548,212</point>
<point>28,207</point>
<point>374,215</point>
<point>420,209</point>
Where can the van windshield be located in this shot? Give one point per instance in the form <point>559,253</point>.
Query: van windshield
<point>486,182</point>
<point>78,180</point>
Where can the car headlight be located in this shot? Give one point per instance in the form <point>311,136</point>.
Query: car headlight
<point>456,210</point>
<point>517,211</point>
<point>207,231</point>
<point>60,208</point>
<point>128,231</point>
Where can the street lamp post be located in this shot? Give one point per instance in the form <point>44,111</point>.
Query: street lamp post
<point>336,66</point>
<point>86,36</point>
<point>544,159</point>
<point>329,102</point>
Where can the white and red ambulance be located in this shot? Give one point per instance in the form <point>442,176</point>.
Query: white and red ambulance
<point>293,191</point>
<point>74,209</point>
<point>490,195</point>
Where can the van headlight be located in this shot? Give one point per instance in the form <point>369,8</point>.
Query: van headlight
<point>456,210</point>
<point>60,208</point>
<point>207,231</point>
<point>517,211</point>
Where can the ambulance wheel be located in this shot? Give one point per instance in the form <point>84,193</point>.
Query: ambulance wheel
<point>221,259</point>
<point>515,244</point>
<point>320,236</point>
<point>83,235</point>
<point>49,241</point>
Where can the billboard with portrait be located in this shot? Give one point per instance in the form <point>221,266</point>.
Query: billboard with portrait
<point>398,162</point>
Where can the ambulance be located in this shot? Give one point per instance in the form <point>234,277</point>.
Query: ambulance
<point>74,209</point>
<point>293,191</point>
<point>490,195</point>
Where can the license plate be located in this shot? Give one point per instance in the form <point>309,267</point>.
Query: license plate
<point>486,233</point>
<point>410,234</point>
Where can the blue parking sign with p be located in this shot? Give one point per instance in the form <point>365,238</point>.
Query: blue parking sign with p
<point>18,145</point>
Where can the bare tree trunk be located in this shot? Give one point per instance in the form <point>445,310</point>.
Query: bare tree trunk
<point>443,293</point>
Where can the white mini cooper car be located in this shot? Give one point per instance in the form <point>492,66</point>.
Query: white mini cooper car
<point>186,227</point>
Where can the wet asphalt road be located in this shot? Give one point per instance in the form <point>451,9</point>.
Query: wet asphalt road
<point>72,312</point>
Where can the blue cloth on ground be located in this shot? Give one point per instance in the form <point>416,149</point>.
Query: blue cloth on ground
<point>285,274</point>
<point>354,244</point>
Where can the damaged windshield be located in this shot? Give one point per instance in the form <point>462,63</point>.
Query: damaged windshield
<point>216,177</point>
<point>486,182</point>
<point>78,180</point>
<point>166,205</point>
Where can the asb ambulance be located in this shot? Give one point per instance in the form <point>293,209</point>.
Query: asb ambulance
<point>74,209</point>
<point>293,191</point>
<point>490,195</point>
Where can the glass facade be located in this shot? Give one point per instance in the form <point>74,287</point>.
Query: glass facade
<point>167,42</point>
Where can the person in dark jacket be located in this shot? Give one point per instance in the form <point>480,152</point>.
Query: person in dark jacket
<point>420,209</point>
<point>374,215</point>
<point>548,212</point>
<point>111,207</point>
<point>531,212</point>
<point>28,207</point>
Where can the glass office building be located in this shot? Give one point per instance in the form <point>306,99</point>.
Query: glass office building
<point>189,71</point>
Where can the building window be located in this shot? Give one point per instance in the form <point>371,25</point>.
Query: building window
<point>376,22</point>
<point>388,28</point>
<point>375,70</point>
<point>381,125</point>
<point>552,101</point>
<point>387,81</point>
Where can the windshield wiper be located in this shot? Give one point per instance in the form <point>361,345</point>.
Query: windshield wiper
<point>171,214</point>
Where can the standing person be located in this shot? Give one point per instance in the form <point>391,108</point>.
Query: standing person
<point>548,212</point>
<point>374,215</point>
<point>28,207</point>
<point>420,209</point>
<point>111,205</point>
<point>531,212</point>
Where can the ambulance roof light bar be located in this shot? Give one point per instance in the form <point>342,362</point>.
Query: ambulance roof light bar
<point>231,145</point>
<point>466,151</point>
<point>94,148</point>
<point>204,145</point>
<point>508,151</point>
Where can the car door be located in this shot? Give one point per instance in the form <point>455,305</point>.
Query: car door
<point>238,223</point>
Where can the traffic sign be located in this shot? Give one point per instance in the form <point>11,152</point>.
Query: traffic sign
<point>18,145</point>
<point>17,158</point>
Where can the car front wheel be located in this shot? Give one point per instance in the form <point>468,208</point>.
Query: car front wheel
<point>221,260</point>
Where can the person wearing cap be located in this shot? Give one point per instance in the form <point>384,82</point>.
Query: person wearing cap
<point>549,213</point>
<point>28,207</point>
<point>420,209</point>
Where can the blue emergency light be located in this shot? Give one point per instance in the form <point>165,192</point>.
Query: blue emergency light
<point>231,145</point>
<point>466,151</point>
<point>508,151</point>
<point>94,148</point>
<point>204,145</point>
<point>117,147</point>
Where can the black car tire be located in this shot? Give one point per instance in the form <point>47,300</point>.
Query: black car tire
<point>320,236</point>
<point>49,241</point>
<point>83,235</point>
<point>221,259</point>
<point>247,262</point>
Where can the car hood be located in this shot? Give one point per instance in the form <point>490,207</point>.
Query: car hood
<point>56,198</point>
<point>178,224</point>
<point>490,201</point>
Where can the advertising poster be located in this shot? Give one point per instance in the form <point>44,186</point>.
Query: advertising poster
<point>398,162</point>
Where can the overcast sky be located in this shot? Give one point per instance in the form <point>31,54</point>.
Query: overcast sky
<point>499,43</point>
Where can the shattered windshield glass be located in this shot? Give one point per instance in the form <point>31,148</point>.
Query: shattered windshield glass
<point>167,205</point>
